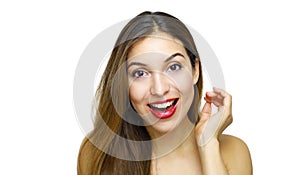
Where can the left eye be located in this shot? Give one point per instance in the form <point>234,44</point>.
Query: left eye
<point>174,67</point>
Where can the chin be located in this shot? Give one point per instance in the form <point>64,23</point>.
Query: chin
<point>164,126</point>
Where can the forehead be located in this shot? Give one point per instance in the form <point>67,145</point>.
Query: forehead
<point>162,43</point>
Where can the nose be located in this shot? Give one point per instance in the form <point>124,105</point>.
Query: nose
<point>160,84</point>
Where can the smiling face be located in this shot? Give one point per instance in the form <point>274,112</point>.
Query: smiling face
<point>161,81</point>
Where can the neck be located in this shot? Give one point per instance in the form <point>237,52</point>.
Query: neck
<point>179,140</point>
<point>185,158</point>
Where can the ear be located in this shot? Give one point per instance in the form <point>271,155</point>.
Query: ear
<point>196,71</point>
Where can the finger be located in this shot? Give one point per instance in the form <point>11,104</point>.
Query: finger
<point>206,112</point>
<point>214,95</point>
<point>227,101</point>
<point>214,98</point>
<point>226,96</point>
<point>204,116</point>
<point>206,109</point>
<point>220,91</point>
<point>213,101</point>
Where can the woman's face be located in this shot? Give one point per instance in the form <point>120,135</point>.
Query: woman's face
<point>161,81</point>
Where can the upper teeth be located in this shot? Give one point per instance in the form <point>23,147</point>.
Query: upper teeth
<point>162,105</point>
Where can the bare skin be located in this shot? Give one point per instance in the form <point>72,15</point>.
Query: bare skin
<point>228,153</point>
<point>206,150</point>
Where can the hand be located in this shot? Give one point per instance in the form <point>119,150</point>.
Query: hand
<point>211,127</point>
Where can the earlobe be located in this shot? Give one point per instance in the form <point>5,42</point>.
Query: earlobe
<point>196,71</point>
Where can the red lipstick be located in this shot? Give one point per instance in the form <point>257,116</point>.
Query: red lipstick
<point>164,109</point>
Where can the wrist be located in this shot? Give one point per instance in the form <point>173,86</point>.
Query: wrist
<point>213,143</point>
<point>203,142</point>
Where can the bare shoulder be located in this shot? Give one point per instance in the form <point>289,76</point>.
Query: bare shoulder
<point>230,143</point>
<point>236,155</point>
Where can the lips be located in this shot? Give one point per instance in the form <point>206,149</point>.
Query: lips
<point>164,109</point>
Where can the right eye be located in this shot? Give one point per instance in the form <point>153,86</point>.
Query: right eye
<point>139,73</point>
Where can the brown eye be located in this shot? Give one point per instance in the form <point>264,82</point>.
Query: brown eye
<point>139,73</point>
<point>174,67</point>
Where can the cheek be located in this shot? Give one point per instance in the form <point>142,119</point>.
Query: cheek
<point>183,81</point>
<point>184,84</point>
<point>137,93</point>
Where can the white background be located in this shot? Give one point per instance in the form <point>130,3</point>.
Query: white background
<point>257,43</point>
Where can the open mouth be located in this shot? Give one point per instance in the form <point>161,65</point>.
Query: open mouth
<point>164,109</point>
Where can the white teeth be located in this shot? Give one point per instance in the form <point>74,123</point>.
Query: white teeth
<point>162,105</point>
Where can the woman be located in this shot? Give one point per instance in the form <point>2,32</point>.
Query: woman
<point>147,119</point>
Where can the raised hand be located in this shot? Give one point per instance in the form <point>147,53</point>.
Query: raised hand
<point>211,126</point>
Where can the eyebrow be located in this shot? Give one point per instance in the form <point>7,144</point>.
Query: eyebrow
<point>166,60</point>
<point>173,56</point>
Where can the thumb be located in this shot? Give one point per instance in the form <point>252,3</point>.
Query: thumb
<point>206,112</point>
<point>204,116</point>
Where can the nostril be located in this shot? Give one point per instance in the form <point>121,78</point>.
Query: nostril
<point>160,90</point>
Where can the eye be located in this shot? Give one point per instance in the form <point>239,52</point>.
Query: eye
<point>139,73</point>
<point>174,67</point>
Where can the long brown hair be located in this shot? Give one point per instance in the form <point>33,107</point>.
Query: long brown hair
<point>95,161</point>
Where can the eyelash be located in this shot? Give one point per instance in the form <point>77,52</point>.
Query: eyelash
<point>137,73</point>
<point>176,65</point>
